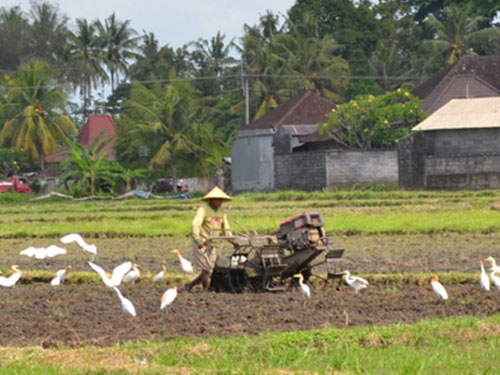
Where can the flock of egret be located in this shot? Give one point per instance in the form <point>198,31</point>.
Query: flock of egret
<point>127,272</point>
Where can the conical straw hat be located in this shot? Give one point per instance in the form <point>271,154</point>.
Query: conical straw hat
<point>216,193</point>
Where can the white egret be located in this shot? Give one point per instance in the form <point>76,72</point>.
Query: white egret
<point>12,279</point>
<point>127,305</point>
<point>304,288</point>
<point>133,274</point>
<point>438,288</point>
<point>42,252</point>
<point>494,266</point>
<point>495,279</point>
<point>75,237</point>
<point>60,276</point>
<point>116,277</point>
<point>160,276</point>
<point>484,279</point>
<point>168,297</point>
<point>186,265</point>
<point>355,282</point>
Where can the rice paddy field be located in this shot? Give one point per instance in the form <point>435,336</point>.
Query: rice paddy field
<point>395,239</point>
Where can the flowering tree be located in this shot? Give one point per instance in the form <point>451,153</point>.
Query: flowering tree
<point>373,121</point>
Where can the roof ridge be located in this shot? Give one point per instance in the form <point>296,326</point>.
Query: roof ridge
<point>290,111</point>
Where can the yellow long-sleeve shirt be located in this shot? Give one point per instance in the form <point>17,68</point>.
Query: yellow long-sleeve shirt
<point>207,221</point>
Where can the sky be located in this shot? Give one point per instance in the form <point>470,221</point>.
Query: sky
<point>174,22</point>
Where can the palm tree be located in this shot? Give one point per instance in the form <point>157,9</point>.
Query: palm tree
<point>264,67</point>
<point>120,43</point>
<point>14,38</point>
<point>48,32</point>
<point>458,34</point>
<point>84,51</point>
<point>35,110</point>
<point>170,115</point>
<point>307,54</point>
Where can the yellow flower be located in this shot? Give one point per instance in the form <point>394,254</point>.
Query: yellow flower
<point>365,130</point>
<point>333,110</point>
<point>386,122</point>
<point>407,93</point>
<point>398,90</point>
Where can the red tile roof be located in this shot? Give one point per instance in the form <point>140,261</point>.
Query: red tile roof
<point>95,124</point>
<point>306,108</point>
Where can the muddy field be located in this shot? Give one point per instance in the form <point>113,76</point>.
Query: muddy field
<point>74,315</point>
<point>78,314</point>
<point>363,253</point>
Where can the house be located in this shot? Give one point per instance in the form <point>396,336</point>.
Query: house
<point>95,124</point>
<point>283,150</point>
<point>468,77</point>
<point>456,147</point>
<point>252,153</point>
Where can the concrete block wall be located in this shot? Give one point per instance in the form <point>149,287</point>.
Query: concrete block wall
<point>462,172</point>
<point>300,171</point>
<point>348,167</point>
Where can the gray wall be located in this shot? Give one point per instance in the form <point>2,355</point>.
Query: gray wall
<point>300,171</point>
<point>252,162</point>
<point>317,170</point>
<point>454,159</point>
<point>349,167</point>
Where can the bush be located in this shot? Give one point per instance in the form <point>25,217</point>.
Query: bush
<point>35,186</point>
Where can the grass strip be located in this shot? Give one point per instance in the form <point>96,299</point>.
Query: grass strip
<point>465,345</point>
<point>405,278</point>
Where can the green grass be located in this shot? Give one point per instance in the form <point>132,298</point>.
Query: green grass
<point>450,346</point>
<point>253,217</point>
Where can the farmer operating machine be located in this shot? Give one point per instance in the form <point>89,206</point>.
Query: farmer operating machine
<point>264,262</point>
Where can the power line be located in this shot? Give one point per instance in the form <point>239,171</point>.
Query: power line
<point>248,75</point>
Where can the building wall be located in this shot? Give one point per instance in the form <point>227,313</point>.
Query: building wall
<point>450,159</point>
<point>348,167</point>
<point>252,161</point>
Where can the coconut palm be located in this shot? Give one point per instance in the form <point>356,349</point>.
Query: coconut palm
<point>170,115</point>
<point>14,37</point>
<point>35,110</point>
<point>48,33</point>
<point>307,54</point>
<point>119,42</point>
<point>458,34</point>
<point>85,53</point>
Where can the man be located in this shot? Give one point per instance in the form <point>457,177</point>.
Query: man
<point>210,220</point>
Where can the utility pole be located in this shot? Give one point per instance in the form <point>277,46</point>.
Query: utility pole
<point>244,85</point>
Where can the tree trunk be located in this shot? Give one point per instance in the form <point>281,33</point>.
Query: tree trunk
<point>174,174</point>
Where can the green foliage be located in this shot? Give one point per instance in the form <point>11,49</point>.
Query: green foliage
<point>12,161</point>
<point>374,121</point>
<point>35,186</point>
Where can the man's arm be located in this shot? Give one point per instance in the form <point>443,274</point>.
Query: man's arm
<point>196,228</point>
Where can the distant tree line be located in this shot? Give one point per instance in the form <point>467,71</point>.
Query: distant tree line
<point>181,108</point>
